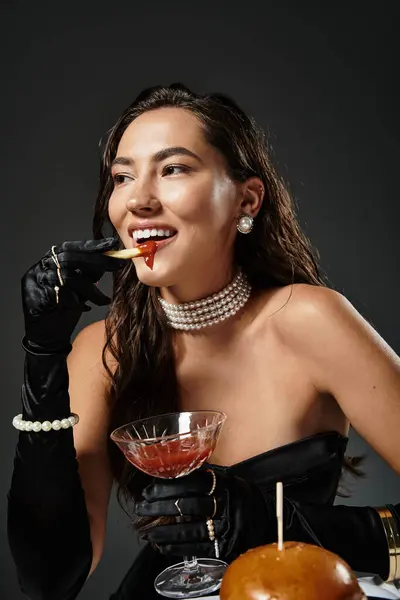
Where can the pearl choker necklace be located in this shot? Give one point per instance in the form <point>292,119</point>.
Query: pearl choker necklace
<point>210,310</point>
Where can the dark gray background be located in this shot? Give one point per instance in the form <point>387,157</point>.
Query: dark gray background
<point>318,76</point>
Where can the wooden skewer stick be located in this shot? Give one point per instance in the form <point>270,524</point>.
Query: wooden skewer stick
<point>279,513</point>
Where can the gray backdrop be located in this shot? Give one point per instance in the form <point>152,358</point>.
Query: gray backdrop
<point>320,78</point>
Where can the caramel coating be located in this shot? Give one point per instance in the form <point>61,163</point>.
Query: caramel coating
<point>298,572</point>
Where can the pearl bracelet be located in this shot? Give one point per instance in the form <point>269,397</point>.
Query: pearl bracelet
<point>37,426</point>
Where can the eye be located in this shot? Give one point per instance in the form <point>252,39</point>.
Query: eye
<point>169,169</point>
<point>119,179</point>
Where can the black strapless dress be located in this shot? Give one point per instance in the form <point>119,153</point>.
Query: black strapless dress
<point>310,470</point>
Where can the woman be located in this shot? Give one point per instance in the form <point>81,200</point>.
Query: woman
<point>291,365</point>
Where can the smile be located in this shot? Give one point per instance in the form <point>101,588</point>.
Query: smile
<point>162,238</point>
<point>156,235</point>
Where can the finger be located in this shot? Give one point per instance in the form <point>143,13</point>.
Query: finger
<point>89,246</point>
<point>197,483</point>
<point>69,299</point>
<point>86,290</point>
<point>194,531</point>
<point>76,283</point>
<point>89,261</point>
<point>48,278</point>
<point>89,251</point>
<point>89,272</point>
<point>75,290</point>
<point>92,265</point>
<point>44,294</point>
<point>201,506</point>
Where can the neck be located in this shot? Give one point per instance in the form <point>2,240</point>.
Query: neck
<point>207,311</point>
<point>200,288</point>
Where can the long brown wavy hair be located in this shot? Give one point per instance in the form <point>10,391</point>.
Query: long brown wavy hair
<point>277,253</point>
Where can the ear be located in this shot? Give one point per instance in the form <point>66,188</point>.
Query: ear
<point>252,196</point>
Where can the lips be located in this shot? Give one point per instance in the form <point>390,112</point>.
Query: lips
<point>157,232</point>
<point>142,226</point>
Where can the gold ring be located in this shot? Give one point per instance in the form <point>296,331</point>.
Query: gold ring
<point>178,507</point>
<point>57,263</point>
<point>215,508</point>
<point>214,482</point>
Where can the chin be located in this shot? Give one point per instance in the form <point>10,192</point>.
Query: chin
<point>159,276</point>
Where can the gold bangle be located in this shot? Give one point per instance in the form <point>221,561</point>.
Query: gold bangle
<point>396,536</point>
<point>393,540</point>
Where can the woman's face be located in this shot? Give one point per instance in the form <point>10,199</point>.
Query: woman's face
<point>169,180</point>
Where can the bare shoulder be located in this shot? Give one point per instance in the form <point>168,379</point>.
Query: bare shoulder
<point>325,322</point>
<point>347,358</point>
<point>306,318</point>
<point>304,310</point>
<point>306,297</point>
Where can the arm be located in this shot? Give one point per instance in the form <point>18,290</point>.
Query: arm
<point>88,389</point>
<point>347,358</point>
<point>49,530</point>
<point>48,527</point>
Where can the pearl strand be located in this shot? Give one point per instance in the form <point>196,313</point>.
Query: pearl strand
<point>37,426</point>
<point>211,535</point>
<point>211,310</point>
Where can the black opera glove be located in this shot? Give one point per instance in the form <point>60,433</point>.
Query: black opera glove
<point>48,524</point>
<point>55,291</point>
<point>242,517</point>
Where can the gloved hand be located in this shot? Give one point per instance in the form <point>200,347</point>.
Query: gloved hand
<point>49,324</point>
<point>243,517</point>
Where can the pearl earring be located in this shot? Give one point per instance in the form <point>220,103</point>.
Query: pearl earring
<point>245,223</point>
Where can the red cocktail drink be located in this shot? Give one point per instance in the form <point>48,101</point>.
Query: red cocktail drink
<point>170,458</point>
<point>171,446</point>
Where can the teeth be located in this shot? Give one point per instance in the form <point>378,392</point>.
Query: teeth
<point>146,233</point>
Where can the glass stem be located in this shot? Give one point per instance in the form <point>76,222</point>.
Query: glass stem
<point>190,563</point>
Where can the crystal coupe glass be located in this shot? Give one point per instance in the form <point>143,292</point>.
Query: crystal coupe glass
<point>170,446</point>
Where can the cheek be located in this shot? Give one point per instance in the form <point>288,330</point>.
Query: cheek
<point>218,207</point>
<point>222,201</point>
<point>209,201</point>
<point>115,210</point>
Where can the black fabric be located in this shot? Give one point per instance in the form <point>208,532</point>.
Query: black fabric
<point>243,505</point>
<point>48,324</point>
<point>310,470</point>
<point>47,522</point>
<point>313,462</point>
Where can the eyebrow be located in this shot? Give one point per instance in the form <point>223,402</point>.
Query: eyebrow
<point>158,156</point>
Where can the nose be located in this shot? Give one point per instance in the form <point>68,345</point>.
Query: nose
<point>143,201</point>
